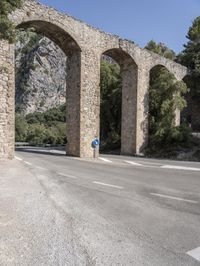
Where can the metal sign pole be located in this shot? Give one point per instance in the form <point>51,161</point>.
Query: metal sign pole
<point>96,152</point>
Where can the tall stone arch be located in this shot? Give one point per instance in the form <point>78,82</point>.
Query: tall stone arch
<point>83,46</point>
<point>178,74</point>
<point>73,83</point>
<point>51,24</point>
<point>129,75</point>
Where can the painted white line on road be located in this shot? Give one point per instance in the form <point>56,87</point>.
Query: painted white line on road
<point>57,151</point>
<point>27,163</point>
<point>18,158</point>
<point>195,253</point>
<point>180,167</point>
<point>174,198</point>
<point>41,168</point>
<point>69,176</point>
<point>42,177</point>
<point>133,163</point>
<point>105,160</point>
<point>108,185</point>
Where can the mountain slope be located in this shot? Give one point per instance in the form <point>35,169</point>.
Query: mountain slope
<point>40,74</point>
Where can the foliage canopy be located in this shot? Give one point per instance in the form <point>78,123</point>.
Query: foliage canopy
<point>111,101</point>
<point>42,128</point>
<point>165,97</point>
<point>7,29</point>
<point>190,57</point>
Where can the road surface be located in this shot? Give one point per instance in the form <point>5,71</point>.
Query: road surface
<point>119,210</point>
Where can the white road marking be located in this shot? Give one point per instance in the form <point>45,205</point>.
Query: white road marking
<point>108,185</point>
<point>57,151</point>
<point>18,158</point>
<point>180,167</point>
<point>42,177</point>
<point>195,253</point>
<point>133,163</point>
<point>105,160</point>
<point>69,176</point>
<point>174,198</point>
<point>41,168</point>
<point>27,163</point>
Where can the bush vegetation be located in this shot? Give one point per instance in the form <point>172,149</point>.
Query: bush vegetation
<point>7,29</point>
<point>111,101</point>
<point>42,128</point>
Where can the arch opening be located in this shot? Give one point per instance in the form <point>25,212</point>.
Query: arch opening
<point>118,102</point>
<point>190,113</point>
<point>165,103</point>
<point>60,37</point>
<point>53,59</point>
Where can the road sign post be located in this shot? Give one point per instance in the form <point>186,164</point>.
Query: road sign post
<point>95,146</point>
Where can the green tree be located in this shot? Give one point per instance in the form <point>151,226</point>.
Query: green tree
<point>190,57</point>
<point>161,49</point>
<point>165,97</point>
<point>21,128</point>
<point>42,128</point>
<point>111,101</point>
<point>36,134</point>
<point>7,29</point>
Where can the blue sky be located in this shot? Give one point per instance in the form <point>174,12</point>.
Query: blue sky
<point>138,20</point>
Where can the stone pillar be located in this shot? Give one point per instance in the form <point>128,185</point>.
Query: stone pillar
<point>142,110</point>
<point>129,107</point>
<point>7,100</point>
<point>179,77</point>
<point>83,101</point>
<point>90,102</point>
<point>73,94</point>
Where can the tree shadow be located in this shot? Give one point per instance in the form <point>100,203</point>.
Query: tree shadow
<point>43,151</point>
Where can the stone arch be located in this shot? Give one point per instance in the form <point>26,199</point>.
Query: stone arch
<point>83,45</point>
<point>73,82</point>
<point>179,74</point>
<point>129,74</point>
<point>171,66</point>
<point>161,66</point>
<point>55,33</point>
<point>154,72</point>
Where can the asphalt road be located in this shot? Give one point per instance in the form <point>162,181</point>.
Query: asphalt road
<point>123,210</point>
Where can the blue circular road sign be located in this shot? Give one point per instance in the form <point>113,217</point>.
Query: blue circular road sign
<point>95,143</point>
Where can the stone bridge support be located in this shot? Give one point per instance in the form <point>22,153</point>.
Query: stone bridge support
<point>142,109</point>
<point>82,101</point>
<point>89,103</point>
<point>7,100</point>
<point>129,74</point>
<point>83,46</point>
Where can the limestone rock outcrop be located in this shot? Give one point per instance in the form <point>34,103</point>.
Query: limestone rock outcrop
<point>40,73</point>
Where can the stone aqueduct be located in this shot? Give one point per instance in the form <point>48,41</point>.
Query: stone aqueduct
<point>84,46</point>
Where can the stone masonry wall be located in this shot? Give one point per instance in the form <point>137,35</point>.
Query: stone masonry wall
<point>85,45</point>
<point>6,100</point>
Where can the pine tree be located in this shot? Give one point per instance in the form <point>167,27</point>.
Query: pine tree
<point>190,57</point>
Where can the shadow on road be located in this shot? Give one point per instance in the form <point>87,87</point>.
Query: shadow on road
<point>43,151</point>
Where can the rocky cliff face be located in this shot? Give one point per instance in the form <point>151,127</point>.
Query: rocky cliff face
<point>40,74</point>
